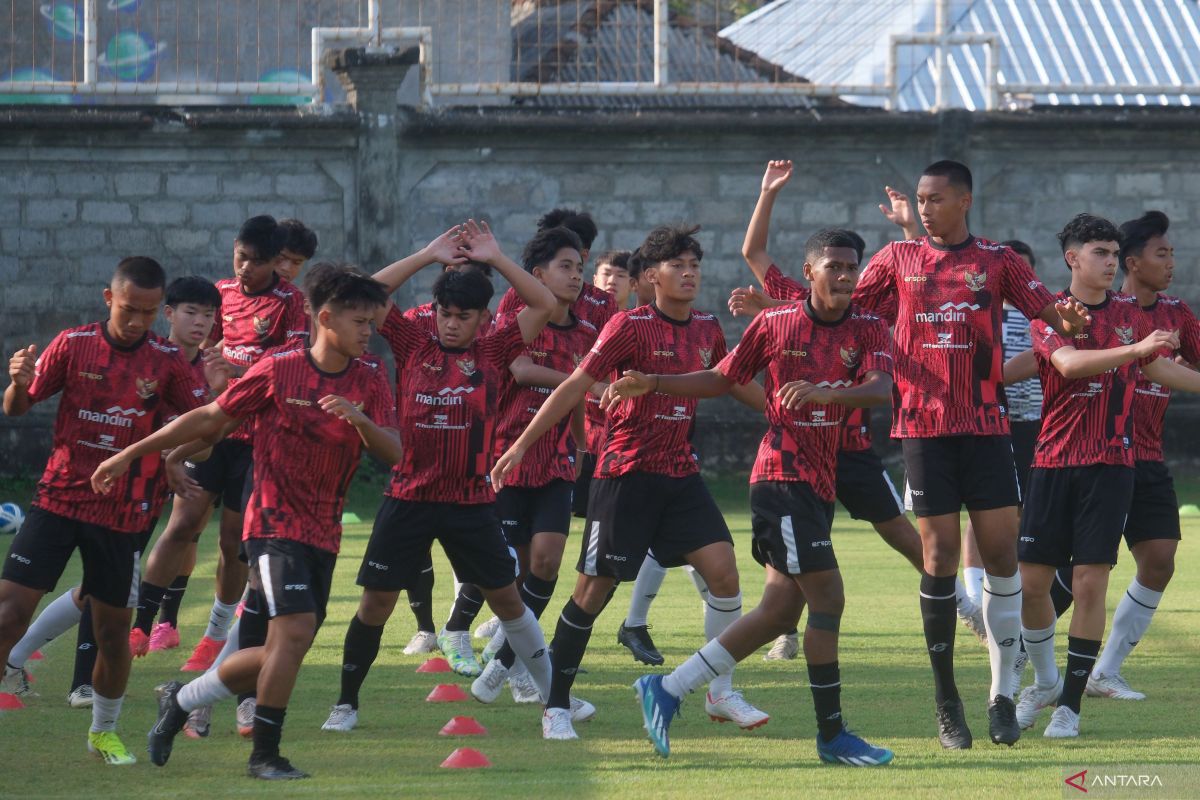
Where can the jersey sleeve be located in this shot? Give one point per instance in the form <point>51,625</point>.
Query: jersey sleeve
<point>1021,286</point>
<point>51,370</point>
<point>297,320</point>
<point>1189,334</point>
<point>1046,340</point>
<point>616,345</point>
<point>185,391</point>
<point>1143,326</point>
<point>877,348</point>
<point>751,354</point>
<point>876,290</point>
<point>381,404</point>
<point>510,303</point>
<point>781,287</point>
<point>402,334</point>
<point>503,344</point>
<point>252,392</point>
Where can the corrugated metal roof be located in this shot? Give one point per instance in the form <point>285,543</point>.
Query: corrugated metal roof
<point>1095,42</point>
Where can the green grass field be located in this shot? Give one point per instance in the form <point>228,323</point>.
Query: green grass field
<point>396,750</point>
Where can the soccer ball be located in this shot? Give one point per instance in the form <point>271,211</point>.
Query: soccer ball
<point>11,517</point>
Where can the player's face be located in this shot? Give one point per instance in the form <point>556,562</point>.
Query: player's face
<point>456,327</point>
<point>833,276</point>
<point>676,278</point>
<point>253,272</point>
<point>132,311</point>
<point>288,264</point>
<point>614,280</point>
<point>1094,264</point>
<point>1155,267</point>
<point>563,276</point>
<point>644,289</point>
<point>942,206</point>
<point>347,329</point>
<point>190,322</point>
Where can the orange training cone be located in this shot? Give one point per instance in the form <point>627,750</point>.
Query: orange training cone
<point>446,693</point>
<point>466,758</point>
<point>462,726</point>
<point>435,665</point>
<point>9,702</point>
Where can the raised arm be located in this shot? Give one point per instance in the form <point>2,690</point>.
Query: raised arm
<point>445,249</point>
<point>899,212</point>
<point>1072,363</point>
<point>21,369</point>
<point>749,301</point>
<point>754,248</point>
<point>480,245</point>
<point>562,401</point>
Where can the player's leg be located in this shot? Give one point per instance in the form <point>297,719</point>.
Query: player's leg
<point>166,560</point>
<point>634,633</point>
<point>420,602</point>
<point>165,635</point>
<point>973,570</point>
<point>82,694</point>
<point>62,614</point>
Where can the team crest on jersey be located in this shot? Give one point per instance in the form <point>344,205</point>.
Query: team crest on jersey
<point>262,325</point>
<point>146,387</point>
<point>975,280</point>
<point>849,356</point>
<point>1125,335</point>
<point>705,356</point>
<point>466,365</point>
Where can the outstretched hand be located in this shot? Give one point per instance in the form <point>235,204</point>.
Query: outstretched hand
<point>478,243</point>
<point>631,384</point>
<point>777,175</point>
<point>448,248</point>
<point>900,211</point>
<point>747,302</point>
<point>1074,315</point>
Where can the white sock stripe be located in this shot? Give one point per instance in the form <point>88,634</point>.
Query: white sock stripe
<point>824,685</point>
<point>268,589</point>
<point>940,597</point>
<point>1082,655</point>
<point>1000,594</point>
<point>1139,602</point>
<point>535,594</point>
<point>573,625</point>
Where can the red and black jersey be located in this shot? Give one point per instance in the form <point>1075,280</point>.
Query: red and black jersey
<point>1151,399</point>
<point>652,433</point>
<point>426,314</point>
<point>948,346</point>
<point>111,397</point>
<point>792,344</point>
<point>552,457</point>
<point>1089,420</point>
<point>305,457</point>
<point>448,402</point>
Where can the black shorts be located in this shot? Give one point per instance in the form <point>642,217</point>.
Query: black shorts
<point>524,511</point>
<point>111,559</point>
<point>1075,515</point>
<point>945,473</point>
<point>226,472</point>
<point>404,531</point>
<point>1024,439</point>
<point>633,513</point>
<point>865,488</point>
<point>583,485</point>
<point>1154,511</point>
<point>293,578</point>
<point>791,527</point>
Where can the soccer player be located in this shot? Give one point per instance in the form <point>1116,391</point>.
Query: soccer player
<point>299,246</point>
<point>647,492</point>
<point>318,407</point>
<point>1082,483</point>
<point>951,414</point>
<point>449,393</point>
<point>822,356</point>
<point>113,377</point>
<point>612,276</point>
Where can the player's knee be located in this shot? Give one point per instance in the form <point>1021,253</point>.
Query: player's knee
<point>1157,574</point>
<point>12,622</point>
<point>545,565</point>
<point>724,585</point>
<point>829,620</point>
<point>376,607</point>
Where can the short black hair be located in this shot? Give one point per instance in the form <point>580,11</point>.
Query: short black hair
<point>301,239</point>
<point>1021,249</point>
<point>636,264</point>
<point>478,266</point>
<point>195,290</point>
<point>670,241</point>
<point>466,291</point>
<point>264,235</point>
<point>832,237</point>
<point>956,172</point>
<point>1086,228</point>
<point>541,249</point>
<point>1136,232</point>
<point>142,271</point>
<point>579,221</point>
<point>615,258</point>
<point>342,286</point>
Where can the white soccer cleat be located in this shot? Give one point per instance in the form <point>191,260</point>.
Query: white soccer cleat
<point>456,647</point>
<point>971,614</point>
<point>493,647</point>
<point>785,648</point>
<point>488,629</point>
<point>556,725</point>
<point>734,708</point>
<point>486,688</point>
<point>341,718</point>
<point>245,717</point>
<point>421,642</point>
<point>523,689</point>
<point>1033,699</point>
<point>581,710</point>
<point>80,697</point>
<point>1064,724</point>
<point>16,681</point>
<point>1113,686</point>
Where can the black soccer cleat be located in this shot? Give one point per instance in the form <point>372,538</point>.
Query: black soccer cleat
<point>1002,721</point>
<point>953,732</point>
<point>171,719</point>
<point>637,640</point>
<point>273,768</point>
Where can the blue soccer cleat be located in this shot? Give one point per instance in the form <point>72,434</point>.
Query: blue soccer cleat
<point>849,748</point>
<point>659,707</point>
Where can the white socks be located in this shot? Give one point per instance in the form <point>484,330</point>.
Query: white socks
<point>711,661</point>
<point>527,642</point>
<point>719,614</point>
<point>701,586</point>
<point>649,580</point>
<point>105,711</point>
<point>55,620</point>
<point>1132,618</point>
<point>204,691</point>
<point>1002,618</point>
<point>1039,644</point>
<point>219,619</point>
<point>973,583</point>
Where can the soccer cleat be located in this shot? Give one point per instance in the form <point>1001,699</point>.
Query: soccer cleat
<point>785,648</point>
<point>1002,721</point>
<point>1018,673</point>
<point>341,718</point>
<point>164,636</point>
<point>850,748</point>
<point>171,719</point>
<point>581,710</point>
<point>971,614</point>
<point>637,640</point>
<point>245,717</point>
<point>199,723</point>
<point>456,646</point>
<point>1064,724</point>
<point>80,697</point>
<point>139,643</point>
<point>488,629</point>
<point>1113,686</point>
<point>274,768</point>
<point>659,707</point>
<point>523,689</point>
<point>108,746</point>
<point>486,688</point>
<point>492,648</point>
<point>556,724</point>
<point>206,652</point>
<point>421,642</point>
<point>16,681</point>
<point>1033,699</point>
<point>953,732</point>
<point>734,708</point>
